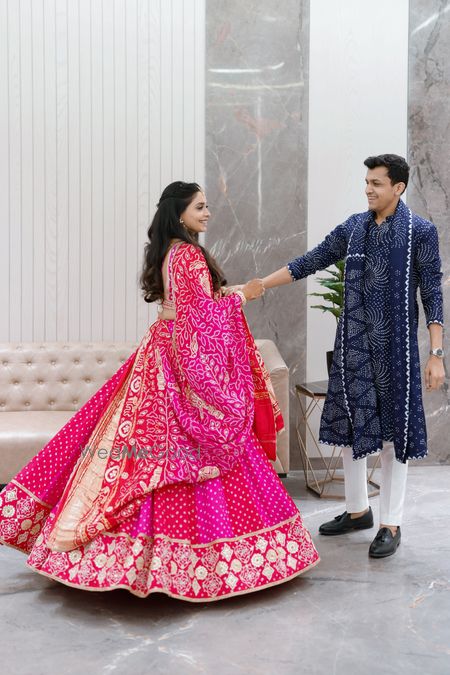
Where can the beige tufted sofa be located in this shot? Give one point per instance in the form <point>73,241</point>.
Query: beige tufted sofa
<point>43,384</point>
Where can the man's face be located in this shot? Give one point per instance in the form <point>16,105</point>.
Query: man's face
<point>381,194</point>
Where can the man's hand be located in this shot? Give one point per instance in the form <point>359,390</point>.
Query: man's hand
<point>434,373</point>
<point>253,289</point>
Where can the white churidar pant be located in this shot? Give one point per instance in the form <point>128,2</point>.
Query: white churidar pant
<point>392,485</point>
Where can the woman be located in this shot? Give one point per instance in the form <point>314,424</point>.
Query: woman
<point>172,490</point>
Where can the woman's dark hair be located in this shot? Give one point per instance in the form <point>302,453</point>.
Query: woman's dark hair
<point>164,228</point>
<point>398,169</point>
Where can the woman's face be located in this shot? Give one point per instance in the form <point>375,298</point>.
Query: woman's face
<point>195,217</point>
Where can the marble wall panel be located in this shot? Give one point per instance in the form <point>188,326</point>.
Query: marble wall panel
<point>429,156</point>
<point>256,158</point>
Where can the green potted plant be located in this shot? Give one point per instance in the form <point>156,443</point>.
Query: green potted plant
<point>333,294</point>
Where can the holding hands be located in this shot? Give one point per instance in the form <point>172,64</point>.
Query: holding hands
<point>251,290</point>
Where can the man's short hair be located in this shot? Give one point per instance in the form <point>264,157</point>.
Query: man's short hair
<point>397,167</point>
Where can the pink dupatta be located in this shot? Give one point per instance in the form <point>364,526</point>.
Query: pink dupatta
<point>206,369</point>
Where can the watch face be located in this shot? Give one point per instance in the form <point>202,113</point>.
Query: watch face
<point>438,352</point>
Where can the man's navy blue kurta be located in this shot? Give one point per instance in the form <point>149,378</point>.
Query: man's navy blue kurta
<point>379,292</point>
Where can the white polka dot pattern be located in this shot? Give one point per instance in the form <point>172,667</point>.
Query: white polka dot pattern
<point>229,535</point>
<point>206,518</point>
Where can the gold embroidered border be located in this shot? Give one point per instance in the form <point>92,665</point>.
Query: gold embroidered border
<point>174,595</point>
<point>30,494</point>
<point>163,536</point>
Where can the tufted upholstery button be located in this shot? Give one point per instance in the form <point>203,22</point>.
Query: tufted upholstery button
<point>75,401</point>
<point>64,381</point>
<point>99,361</point>
<point>53,363</point>
<point>76,362</point>
<point>5,363</point>
<point>87,380</point>
<point>40,381</point>
<point>16,382</point>
<point>2,404</point>
<point>27,403</point>
<point>29,363</point>
<point>52,402</point>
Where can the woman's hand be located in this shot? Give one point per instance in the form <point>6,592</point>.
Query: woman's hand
<point>253,289</point>
<point>229,290</point>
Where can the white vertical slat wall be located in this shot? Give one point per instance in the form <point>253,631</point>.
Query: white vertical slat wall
<point>101,105</point>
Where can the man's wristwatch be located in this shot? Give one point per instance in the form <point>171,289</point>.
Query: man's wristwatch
<point>437,352</point>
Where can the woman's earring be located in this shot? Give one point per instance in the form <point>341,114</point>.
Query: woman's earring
<point>181,221</point>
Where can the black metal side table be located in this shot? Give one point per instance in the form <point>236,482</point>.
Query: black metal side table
<point>315,394</point>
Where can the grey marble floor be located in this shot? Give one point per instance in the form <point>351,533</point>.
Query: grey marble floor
<point>350,615</point>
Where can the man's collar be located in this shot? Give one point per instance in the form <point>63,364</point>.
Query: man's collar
<point>388,219</point>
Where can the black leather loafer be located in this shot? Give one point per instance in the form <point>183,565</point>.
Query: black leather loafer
<point>385,543</point>
<point>345,523</point>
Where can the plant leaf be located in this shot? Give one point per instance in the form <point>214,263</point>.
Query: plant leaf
<point>335,298</point>
<point>334,310</point>
<point>337,275</point>
<point>332,285</point>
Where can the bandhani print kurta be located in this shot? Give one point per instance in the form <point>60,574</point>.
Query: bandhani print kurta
<point>176,493</point>
<point>374,392</point>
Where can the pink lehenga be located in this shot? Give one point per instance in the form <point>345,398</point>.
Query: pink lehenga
<point>161,482</point>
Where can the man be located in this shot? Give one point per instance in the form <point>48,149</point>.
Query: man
<point>374,393</point>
